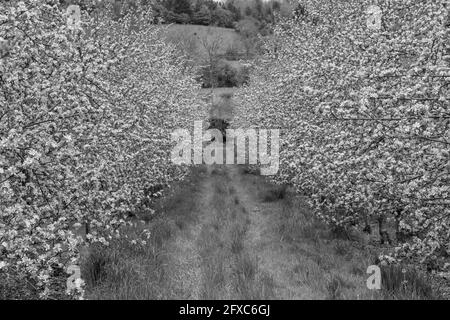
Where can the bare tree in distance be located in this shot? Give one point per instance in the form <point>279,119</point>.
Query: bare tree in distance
<point>186,43</point>
<point>211,44</point>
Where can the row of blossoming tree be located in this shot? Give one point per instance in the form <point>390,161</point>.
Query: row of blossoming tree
<point>86,114</point>
<point>365,116</point>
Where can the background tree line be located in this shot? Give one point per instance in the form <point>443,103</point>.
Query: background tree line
<point>241,15</point>
<point>227,14</point>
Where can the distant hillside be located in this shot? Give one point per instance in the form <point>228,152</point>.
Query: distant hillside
<point>217,51</point>
<point>195,40</point>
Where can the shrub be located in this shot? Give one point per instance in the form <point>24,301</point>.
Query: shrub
<point>224,75</point>
<point>232,52</point>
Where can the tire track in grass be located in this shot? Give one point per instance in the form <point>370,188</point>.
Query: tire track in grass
<point>229,270</point>
<point>200,260</point>
<point>275,277</point>
<point>183,257</point>
<point>212,242</point>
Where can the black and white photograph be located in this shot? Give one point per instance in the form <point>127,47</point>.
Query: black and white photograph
<point>225,157</point>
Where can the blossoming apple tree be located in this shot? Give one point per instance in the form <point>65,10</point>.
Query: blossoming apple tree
<point>86,113</point>
<point>365,117</point>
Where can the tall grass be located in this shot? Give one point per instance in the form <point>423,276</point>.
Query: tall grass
<point>333,262</point>
<point>138,271</point>
<point>403,282</point>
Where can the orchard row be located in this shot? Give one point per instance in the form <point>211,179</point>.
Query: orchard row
<point>365,118</point>
<point>86,115</point>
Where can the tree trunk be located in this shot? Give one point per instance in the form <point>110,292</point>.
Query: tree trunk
<point>399,234</point>
<point>384,235</point>
<point>367,228</point>
<point>86,230</point>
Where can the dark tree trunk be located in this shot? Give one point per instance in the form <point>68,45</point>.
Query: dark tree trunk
<point>384,235</point>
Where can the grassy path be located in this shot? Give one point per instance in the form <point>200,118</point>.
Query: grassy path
<point>225,236</point>
<point>226,233</point>
<point>242,247</point>
<point>219,238</point>
<point>212,261</point>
